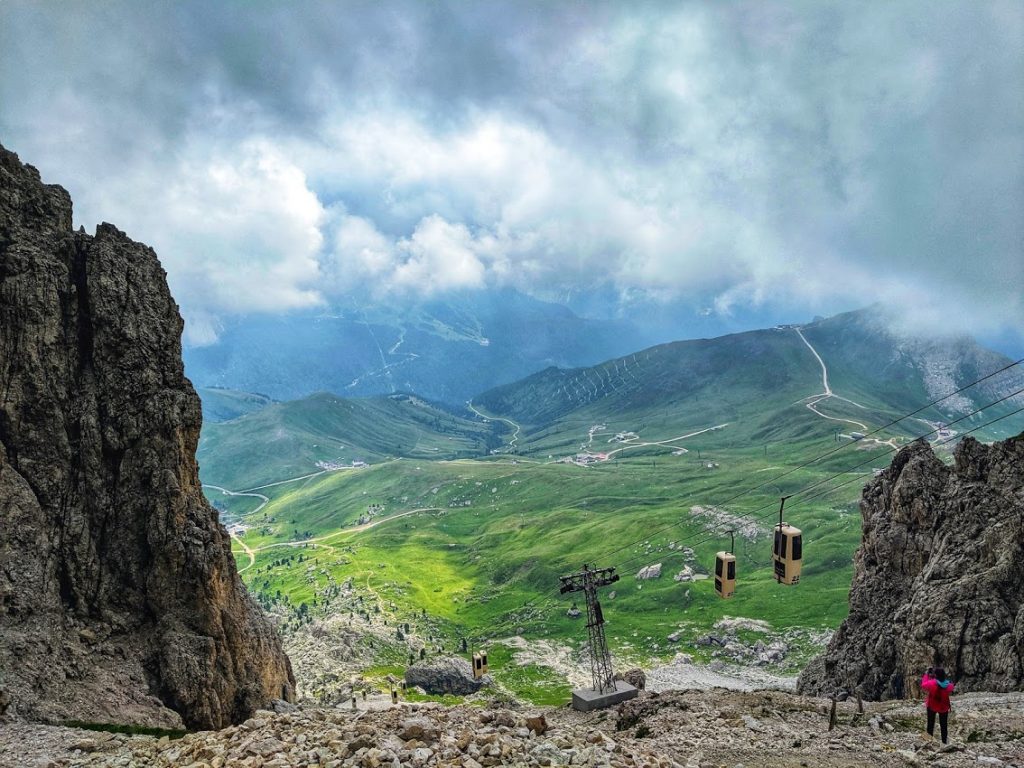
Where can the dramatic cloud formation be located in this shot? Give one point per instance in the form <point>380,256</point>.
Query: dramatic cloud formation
<point>729,155</point>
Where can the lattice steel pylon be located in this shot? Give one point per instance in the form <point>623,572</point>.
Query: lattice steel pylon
<point>587,581</point>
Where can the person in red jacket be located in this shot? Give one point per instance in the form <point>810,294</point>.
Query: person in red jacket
<point>938,688</point>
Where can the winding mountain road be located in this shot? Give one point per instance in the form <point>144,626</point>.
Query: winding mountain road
<point>251,552</point>
<point>245,547</point>
<point>515,435</point>
<point>828,393</point>
<point>264,500</point>
<point>609,454</point>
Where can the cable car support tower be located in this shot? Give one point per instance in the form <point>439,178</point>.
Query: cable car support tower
<point>606,690</point>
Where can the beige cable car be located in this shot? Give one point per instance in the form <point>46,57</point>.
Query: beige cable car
<point>787,552</point>
<point>480,667</point>
<point>725,571</point>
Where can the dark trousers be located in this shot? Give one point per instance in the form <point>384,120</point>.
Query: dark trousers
<point>943,724</point>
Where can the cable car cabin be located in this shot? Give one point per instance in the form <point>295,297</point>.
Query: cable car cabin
<point>480,667</point>
<point>725,574</point>
<point>788,554</point>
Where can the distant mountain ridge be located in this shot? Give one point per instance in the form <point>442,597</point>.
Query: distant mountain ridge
<point>751,388</point>
<point>864,360</point>
<point>443,349</point>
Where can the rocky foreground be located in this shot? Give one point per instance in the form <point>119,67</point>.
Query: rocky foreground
<point>678,728</point>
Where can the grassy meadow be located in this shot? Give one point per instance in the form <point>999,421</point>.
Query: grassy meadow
<point>457,531</point>
<point>480,561</point>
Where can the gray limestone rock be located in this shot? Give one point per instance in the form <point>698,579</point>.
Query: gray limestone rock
<point>119,596</point>
<point>937,578</point>
<point>444,675</point>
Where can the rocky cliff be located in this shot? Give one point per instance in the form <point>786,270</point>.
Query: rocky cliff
<point>938,578</point>
<point>119,596</point>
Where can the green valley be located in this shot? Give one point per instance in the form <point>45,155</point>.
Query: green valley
<point>461,522</point>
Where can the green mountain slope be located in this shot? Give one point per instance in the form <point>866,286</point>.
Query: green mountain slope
<point>221,404</point>
<point>300,437</point>
<point>760,383</point>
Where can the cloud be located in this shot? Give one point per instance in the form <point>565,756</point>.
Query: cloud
<point>438,256</point>
<point>236,227</point>
<point>726,155</point>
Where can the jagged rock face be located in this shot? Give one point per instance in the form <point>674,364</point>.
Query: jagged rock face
<point>938,578</point>
<point>119,596</point>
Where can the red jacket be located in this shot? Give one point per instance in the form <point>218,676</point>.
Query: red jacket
<point>938,694</point>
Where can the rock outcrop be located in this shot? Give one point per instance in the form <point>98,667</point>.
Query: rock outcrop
<point>119,596</point>
<point>937,578</point>
<point>442,675</point>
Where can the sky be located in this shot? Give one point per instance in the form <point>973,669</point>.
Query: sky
<point>720,158</point>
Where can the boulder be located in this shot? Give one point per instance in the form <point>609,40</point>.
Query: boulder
<point>649,572</point>
<point>538,724</point>
<point>419,728</point>
<point>684,575</point>
<point>442,675</point>
<point>634,677</point>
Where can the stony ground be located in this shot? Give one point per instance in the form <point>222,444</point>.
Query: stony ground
<point>678,728</point>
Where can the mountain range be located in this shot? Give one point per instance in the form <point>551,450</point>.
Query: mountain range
<point>444,349</point>
<point>864,372</point>
<point>846,375</point>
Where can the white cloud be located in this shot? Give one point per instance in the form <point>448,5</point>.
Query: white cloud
<point>237,228</point>
<point>439,256</point>
<point>735,154</point>
<point>246,228</point>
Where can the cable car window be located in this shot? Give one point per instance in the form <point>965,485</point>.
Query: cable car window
<point>718,585</point>
<point>797,547</point>
<point>718,567</point>
<point>732,569</point>
<point>780,543</point>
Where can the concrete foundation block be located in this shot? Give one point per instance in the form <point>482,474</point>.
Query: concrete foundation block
<point>586,699</point>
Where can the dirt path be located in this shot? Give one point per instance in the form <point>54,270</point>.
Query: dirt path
<point>828,393</point>
<point>264,500</point>
<point>248,551</point>
<point>515,435</point>
<point>296,479</point>
<point>245,547</point>
<point>343,531</point>
<point>666,442</point>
